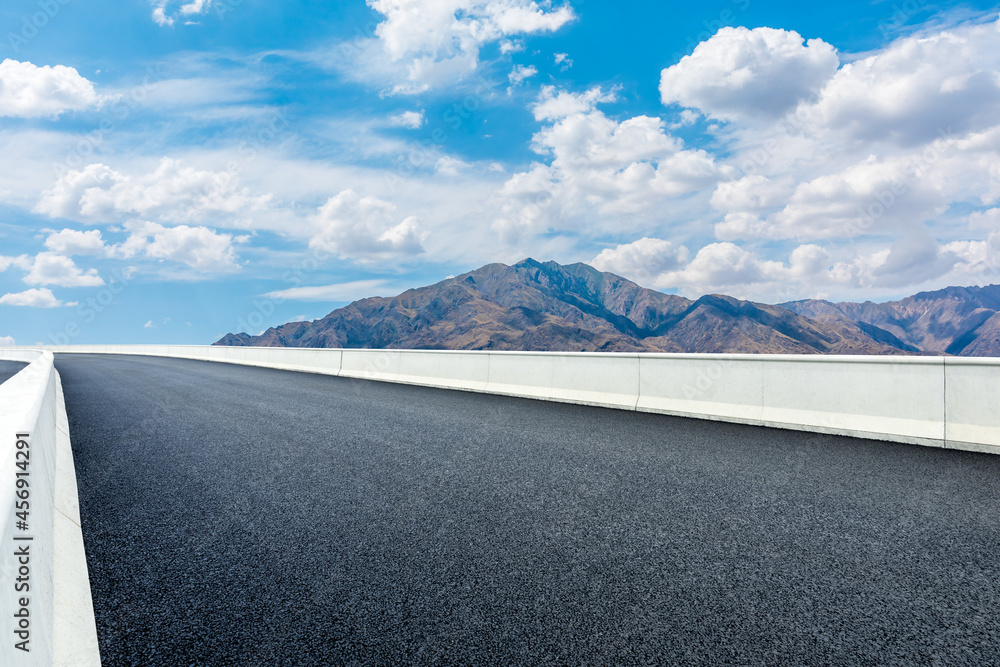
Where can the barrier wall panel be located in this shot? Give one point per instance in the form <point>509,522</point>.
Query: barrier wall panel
<point>370,364</point>
<point>712,386</point>
<point>451,370</point>
<point>608,380</point>
<point>326,362</point>
<point>972,400</point>
<point>863,396</point>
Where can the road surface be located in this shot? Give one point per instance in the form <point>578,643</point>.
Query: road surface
<point>9,368</point>
<point>247,516</point>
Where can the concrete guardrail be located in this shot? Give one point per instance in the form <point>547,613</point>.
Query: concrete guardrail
<point>45,600</point>
<point>936,401</point>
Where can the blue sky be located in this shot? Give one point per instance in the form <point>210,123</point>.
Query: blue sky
<point>174,170</point>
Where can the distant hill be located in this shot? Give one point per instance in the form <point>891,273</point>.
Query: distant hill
<point>547,306</point>
<point>963,321</point>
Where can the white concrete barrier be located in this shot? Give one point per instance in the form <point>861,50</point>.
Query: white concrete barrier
<point>445,368</point>
<point>873,397</point>
<point>370,364</point>
<point>715,387</point>
<point>607,380</point>
<point>937,401</point>
<point>972,400</point>
<point>45,597</point>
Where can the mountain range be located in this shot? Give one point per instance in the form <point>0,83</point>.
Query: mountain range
<point>547,306</point>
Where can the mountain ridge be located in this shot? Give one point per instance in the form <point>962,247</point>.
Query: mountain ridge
<point>534,305</point>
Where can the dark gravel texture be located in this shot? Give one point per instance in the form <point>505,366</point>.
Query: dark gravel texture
<point>9,369</point>
<point>246,516</point>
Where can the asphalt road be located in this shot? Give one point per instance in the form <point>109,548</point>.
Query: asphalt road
<point>243,516</point>
<point>9,368</point>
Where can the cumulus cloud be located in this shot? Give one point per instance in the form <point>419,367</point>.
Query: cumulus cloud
<point>740,74</point>
<point>873,196</point>
<point>598,164</point>
<point>553,105</point>
<point>521,73</point>
<point>564,60</point>
<point>200,248</point>
<point>438,41</point>
<point>49,268</point>
<point>755,192</point>
<point>915,90</point>
<point>29,91</point>
<point>509,46</point>
<point>33,298</point>
<point>172,192</point>
<point>889,152</point>
<point>808,271</point>
<point>7,340</point>
<point>642,261</point>
<point>21,262</point>
<point>719,268</point>
<point>413,120</point>
<point>72,242</point>
<point>362,228</point>
<point>187,11</point>
<point>449,166</point>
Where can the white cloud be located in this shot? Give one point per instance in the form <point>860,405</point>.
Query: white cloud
<point>148,325</point>
<point>915,90</point>
<point>187,11</point>
<point>449,166</point>
<point>73,242</point>
<point>598,165</point>
<point>643,260</point>
<point>413,120</point>
<point>553,105</point>
<point>755,192</point>
<point>509,46</point>
<point>350,291</point>
<point>361,228</point>
<point>810,271</point>
<point>200,248</point>
<point>741,74</point>
<point>520,73</point>
<point>21,262</point>
<point>872,196</point>
<point>172,192</point>
<point>977,257</point>
<point>29,91</point>
<point>50,268</point>
<point>7,340</point>
<point>719,267</point>
<point>564,60</point>
<point>437,42</point>
<point>888,151</point>
<point>33,298</point>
